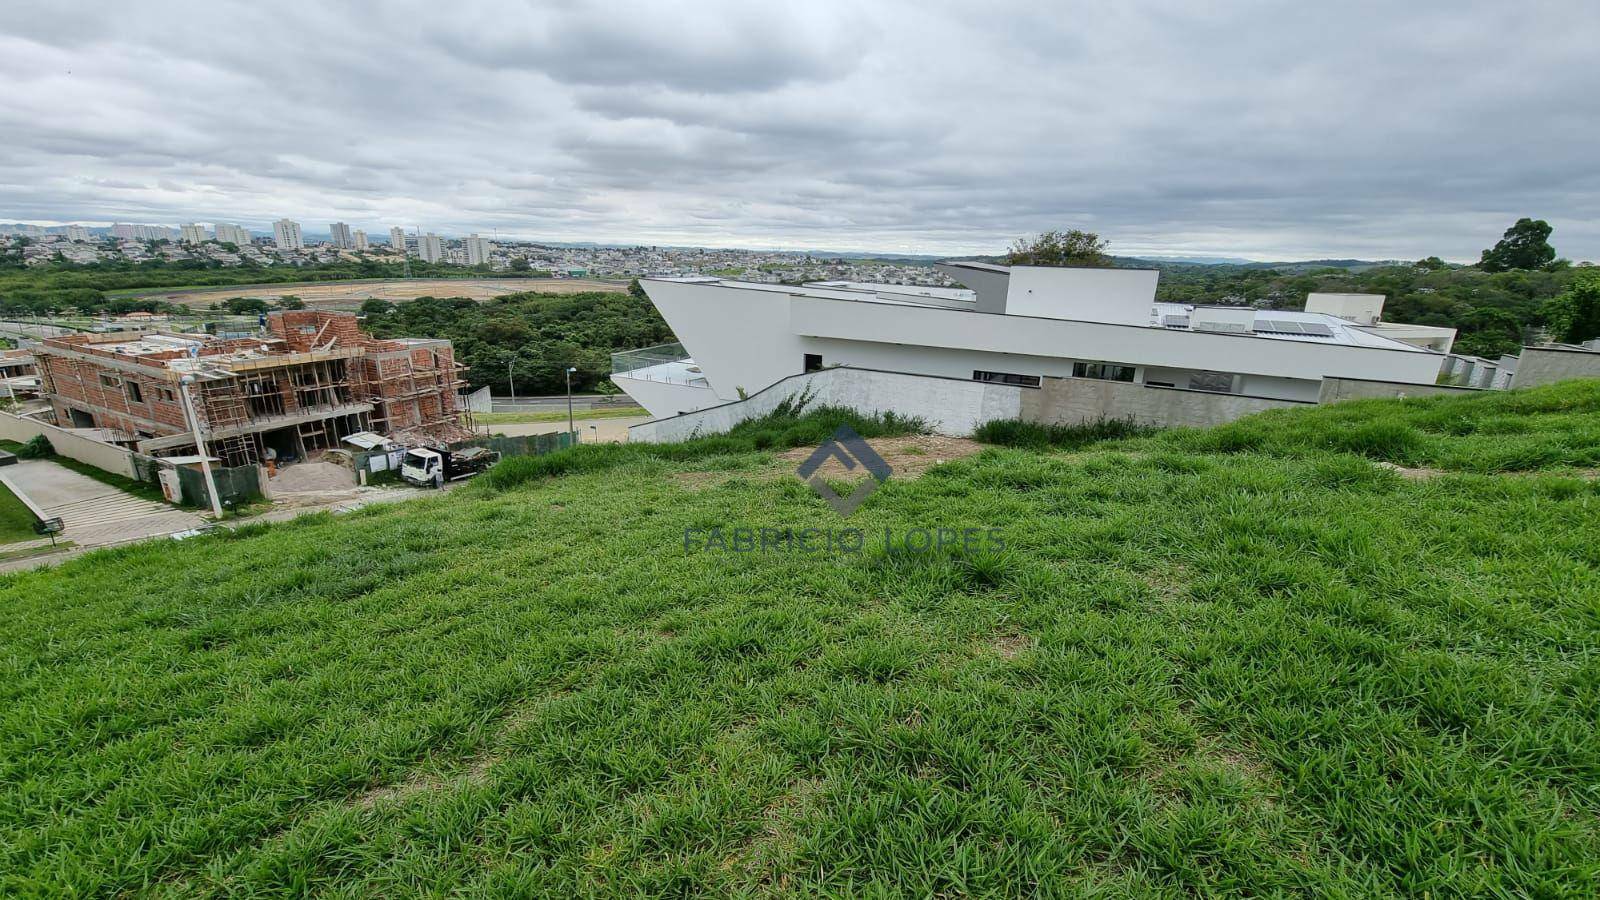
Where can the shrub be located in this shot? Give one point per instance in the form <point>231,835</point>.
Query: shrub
<point>38,448</point>
<point>1389,441</point>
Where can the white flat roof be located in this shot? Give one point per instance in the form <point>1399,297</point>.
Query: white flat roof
<point>1340,330</point>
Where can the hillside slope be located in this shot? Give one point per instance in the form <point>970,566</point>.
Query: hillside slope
<point>1243,660</point>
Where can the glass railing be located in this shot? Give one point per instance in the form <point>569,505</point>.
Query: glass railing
<point>644,358</point>
<point>663,362</point>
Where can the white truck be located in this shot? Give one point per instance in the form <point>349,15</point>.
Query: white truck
<point>427,467</point>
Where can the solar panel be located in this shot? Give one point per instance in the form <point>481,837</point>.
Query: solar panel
<point>1316,329</point>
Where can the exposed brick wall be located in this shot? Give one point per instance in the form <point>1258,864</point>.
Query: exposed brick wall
<point>103,393</point>
<point>412,383</point>
<point>303,329</point>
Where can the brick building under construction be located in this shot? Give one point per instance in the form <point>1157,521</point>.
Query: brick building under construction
<point>315,378</point>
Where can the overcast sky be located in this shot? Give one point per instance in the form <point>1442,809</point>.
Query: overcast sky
<point>1272,130</point>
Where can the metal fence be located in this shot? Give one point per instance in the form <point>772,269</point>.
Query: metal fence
<point>527,444</point>
<point>235,486</point>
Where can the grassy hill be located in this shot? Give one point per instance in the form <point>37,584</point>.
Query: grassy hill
<point>1246,660</point>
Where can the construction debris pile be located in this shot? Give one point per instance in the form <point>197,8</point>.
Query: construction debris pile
<point>313,379</point>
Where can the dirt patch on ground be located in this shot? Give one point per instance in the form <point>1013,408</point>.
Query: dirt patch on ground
<point>1011,645</point>
<point>313,476</point>
<point>1423,474</point>
<point>907,456</point>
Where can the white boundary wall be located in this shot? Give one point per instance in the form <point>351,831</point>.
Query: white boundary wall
<point>109,457</point>
<point>951,406</point>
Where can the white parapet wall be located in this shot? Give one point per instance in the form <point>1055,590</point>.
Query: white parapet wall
<point>950,406</point>
<point>109,457</point>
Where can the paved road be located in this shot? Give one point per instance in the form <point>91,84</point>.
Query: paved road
<point>559,403</point>
<point>95,514</point>
<point>613,431</point>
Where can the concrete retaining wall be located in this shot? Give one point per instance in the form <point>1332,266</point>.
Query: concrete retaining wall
<point>951,406</point>
<point>1336,389</point>
<point>109,457</point>
<point>1544,365</point>
<point>1071,401</point>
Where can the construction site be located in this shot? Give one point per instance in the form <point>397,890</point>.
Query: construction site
<point>312,379</point>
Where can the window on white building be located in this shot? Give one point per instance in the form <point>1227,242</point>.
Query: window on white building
<point>1006,378</point>
<point>1102,371</point>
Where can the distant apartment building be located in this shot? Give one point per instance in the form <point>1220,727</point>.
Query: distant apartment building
<point>479,250</point>
<point>397,239</point>
<point>152,233</point>
<point>122,231</point>
<point>192,234</point>
<point>78,234</point>
<point>430,247</point>
<point>359,241</point>
<point>339,236</point>
<point>286,234</point>
<point>233,234</point>
<point>314,379</point>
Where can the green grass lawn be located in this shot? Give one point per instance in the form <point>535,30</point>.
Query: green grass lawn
<point>16,520</point>
<point>1257,663</point>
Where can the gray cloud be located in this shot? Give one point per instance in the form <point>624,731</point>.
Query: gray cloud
<point>1256,127</point>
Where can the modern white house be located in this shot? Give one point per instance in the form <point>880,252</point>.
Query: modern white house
<point>1016,326</point>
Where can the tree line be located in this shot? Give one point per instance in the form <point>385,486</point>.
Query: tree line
<point>59,286</point>
<point>531,338</point>
<point>1518,292</point>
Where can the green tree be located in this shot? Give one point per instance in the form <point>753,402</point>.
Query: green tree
<point>1060,248</point>
<point>1525,245</point>
<point>1574,315</point>
<point>520,264</point>
<point>290,301</point>
<point>244,306</point>
<point>1432,264</point>
<point>1489,333</point>
<point>373,308</point>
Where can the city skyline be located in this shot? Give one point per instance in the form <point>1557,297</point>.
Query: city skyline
<point>885,126</point>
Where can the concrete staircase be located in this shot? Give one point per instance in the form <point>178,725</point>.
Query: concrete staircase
<point>116,516</point>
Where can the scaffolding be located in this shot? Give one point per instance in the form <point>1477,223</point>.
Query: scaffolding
<point>399,394</point>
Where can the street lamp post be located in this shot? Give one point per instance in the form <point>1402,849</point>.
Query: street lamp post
<point>571,429</point>
<point>200,444</point>
<point>510,381</point>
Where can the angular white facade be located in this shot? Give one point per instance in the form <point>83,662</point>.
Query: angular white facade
<point>1012,326</point>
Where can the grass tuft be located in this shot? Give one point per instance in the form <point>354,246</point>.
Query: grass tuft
<point>1039,436</point>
